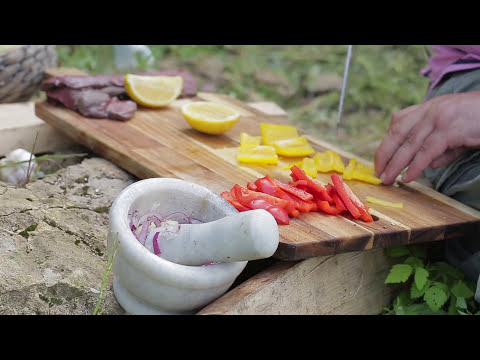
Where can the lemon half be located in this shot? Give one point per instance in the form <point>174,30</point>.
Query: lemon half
<point>153,91</point>
<point>209,117</point>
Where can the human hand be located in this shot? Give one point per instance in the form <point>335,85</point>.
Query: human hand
<point>431,134</point>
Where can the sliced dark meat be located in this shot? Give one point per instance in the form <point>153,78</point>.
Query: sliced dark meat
<point>114,91</point>
<point>93,103</point>
<point>82,81</point>
<point>121,109</point>
<point>65,96</point>
<point>97,104</point>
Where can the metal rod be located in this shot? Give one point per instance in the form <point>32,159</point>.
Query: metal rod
<point>344,84</point>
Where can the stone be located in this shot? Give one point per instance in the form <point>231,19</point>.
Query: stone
<point>53,240</point>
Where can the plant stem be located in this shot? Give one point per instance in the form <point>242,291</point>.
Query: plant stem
<point>105,276</point>
<point>27,178</point>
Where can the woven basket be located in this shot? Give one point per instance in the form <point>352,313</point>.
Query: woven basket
<point>21,71</point>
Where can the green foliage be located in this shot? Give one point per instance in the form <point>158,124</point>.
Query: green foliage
<point>108,269</point>
<point>434,289</point>
<point>399,274</point>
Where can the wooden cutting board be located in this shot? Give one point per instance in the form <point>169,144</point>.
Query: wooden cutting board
<point>160,143</point>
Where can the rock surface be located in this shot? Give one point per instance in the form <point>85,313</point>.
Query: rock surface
<point>53,241</point>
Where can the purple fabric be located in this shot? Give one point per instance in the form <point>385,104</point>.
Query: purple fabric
<point>451,58</point>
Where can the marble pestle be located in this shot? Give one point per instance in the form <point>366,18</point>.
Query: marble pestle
<point>244,236</point>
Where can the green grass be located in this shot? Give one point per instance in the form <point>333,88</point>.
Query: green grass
<point>382,80</point>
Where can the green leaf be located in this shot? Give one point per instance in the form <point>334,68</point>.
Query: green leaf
<point>399,273</point>
<point>416,293</point>
<point>461,303</point>
<point>421,276</point>
<point>435,297</point>
<point>442,286</point>
<point>447,269</point>
<point>452,308</point>
<point>414,262</point>
<point>461,290</point>
<point>397,251</point>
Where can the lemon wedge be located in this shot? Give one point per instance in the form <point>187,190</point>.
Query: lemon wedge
<point>153,91</point>
<point>209,117</point>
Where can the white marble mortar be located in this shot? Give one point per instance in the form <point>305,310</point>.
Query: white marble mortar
<point>145,283</point>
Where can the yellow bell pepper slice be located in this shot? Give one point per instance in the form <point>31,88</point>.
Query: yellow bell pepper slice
<point>377,201</point>
<point>293,147</point>
<point>308,165</point>
<point>338,164</point>
<point>249,140</point>
<point>260,154</point>
<point>349,170</point>
<point>274,132</point>
<point>365,173</point>
<point>324,161</point>
<point>372,179</point>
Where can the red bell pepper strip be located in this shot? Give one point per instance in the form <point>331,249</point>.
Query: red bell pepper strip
<point>326,207</point>
<point>304,206</point>
<point>294,213</point>
<point>267,186</point>
<point>277,212</point>
<point>251,186</point>
<point>333,193</point>
<point>244,196</point>
<point>340,187</point>
<point>226,195</point>
<point>329,187</point>
<point>353,204</point>
<point>314,186</point>
<point>293,190</point>
<point>338,202</point>
<point>259,200</point>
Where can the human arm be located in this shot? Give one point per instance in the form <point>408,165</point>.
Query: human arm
<point>431,134</point>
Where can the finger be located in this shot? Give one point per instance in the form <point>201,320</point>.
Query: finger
<point>433,147</point>
<point>401,124</point>
<point>406,152</point>
<point>447,157</point>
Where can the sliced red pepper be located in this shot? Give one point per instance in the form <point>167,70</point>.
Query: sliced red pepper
<point>277,212</point>
<point>329,187</point>
<point>338,202</point>
<point>326,207</point>
<point>298,182</point>
<point>294,190</point>
<point>266,185</point>
<point>226,195</point>
<point>251,186</point>
<point>341,191</point>
<point>245,196</point>
<point>350,199</point>
<point>294,213</point>
<point>364,214</point>
<point>304,206</point>
<point>315,188</point>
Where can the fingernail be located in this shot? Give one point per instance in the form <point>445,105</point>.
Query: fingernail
<point>382,177</point>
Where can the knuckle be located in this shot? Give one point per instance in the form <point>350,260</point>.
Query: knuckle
<point>396,128</point>
<point>410,139</point>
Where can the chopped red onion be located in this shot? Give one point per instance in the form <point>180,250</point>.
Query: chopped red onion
<point>156,248</point>
<point>144,233</point>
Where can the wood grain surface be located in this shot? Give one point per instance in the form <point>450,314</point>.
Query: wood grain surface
<point>160,143</point>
